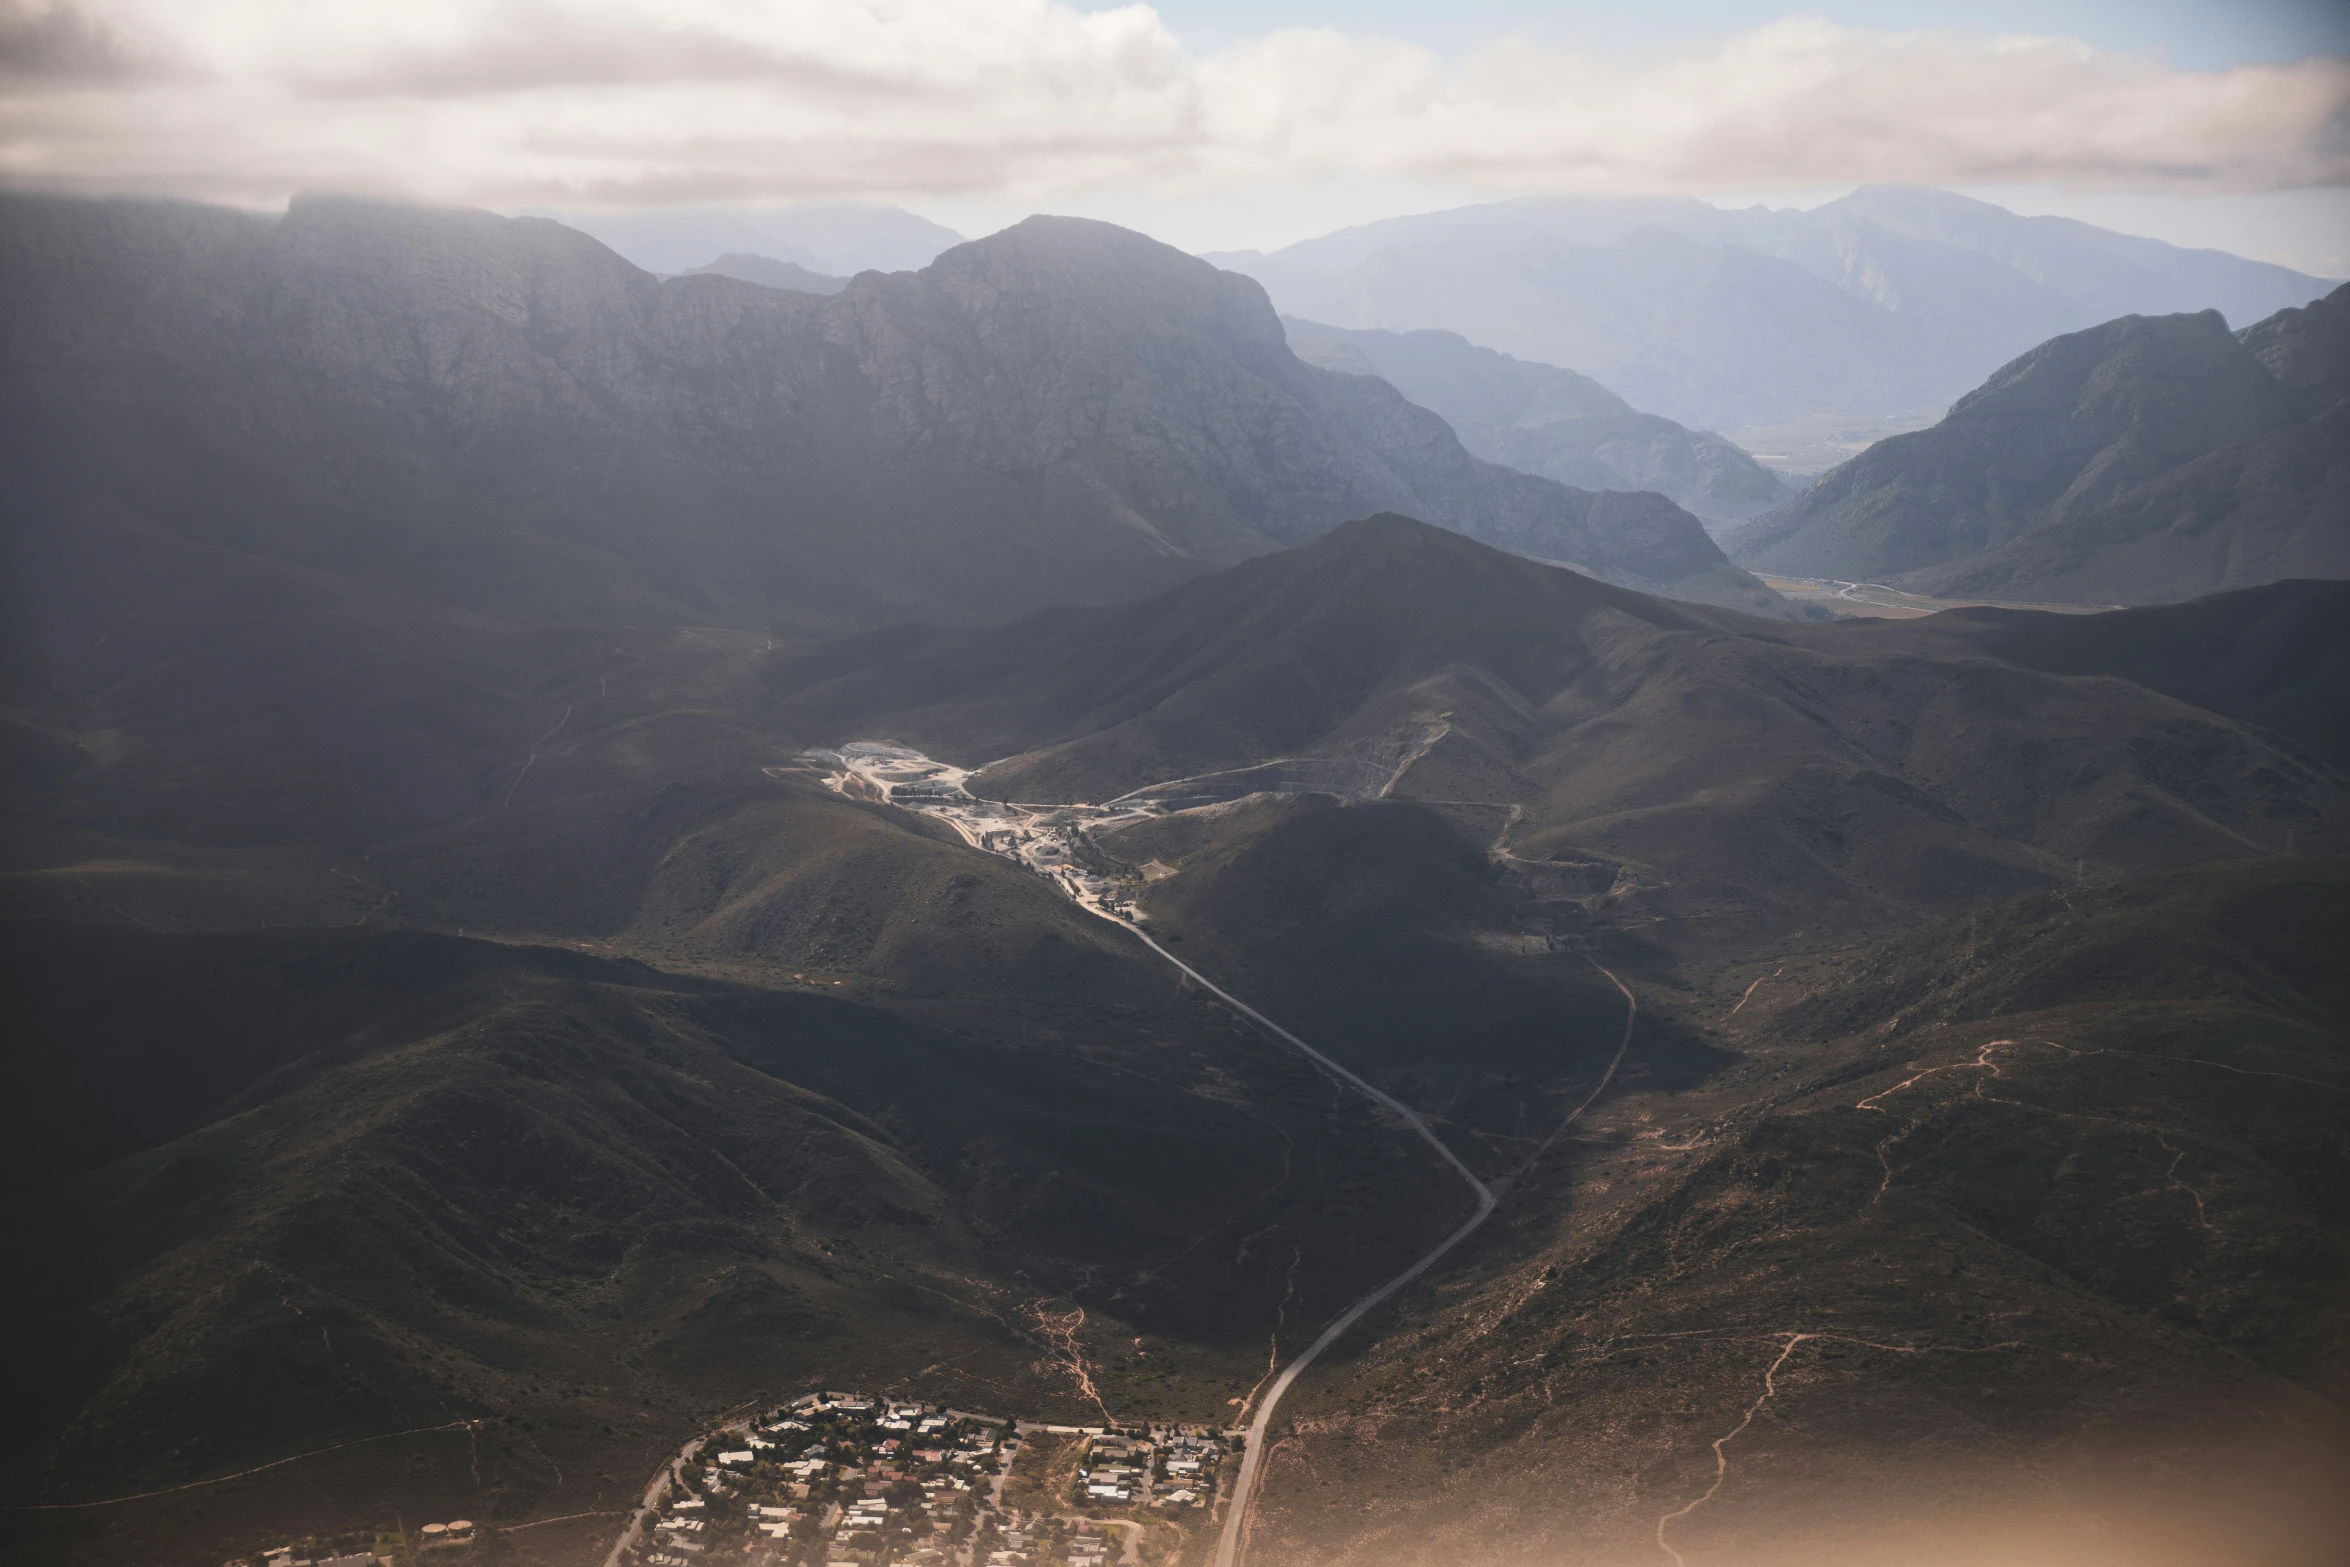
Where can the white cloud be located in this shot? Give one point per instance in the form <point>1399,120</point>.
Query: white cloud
<point>579,103</point>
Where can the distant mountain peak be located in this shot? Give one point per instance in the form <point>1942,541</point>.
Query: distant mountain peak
<point>1887,303</point>
<point>1064,412</point>
<point>832,239</point>
<point>1084,249</point>
<point>1383,535</point>
<point>2144,459</point>
<point>768,272</point>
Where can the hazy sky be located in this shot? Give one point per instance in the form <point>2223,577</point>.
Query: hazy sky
<point>2194,34</point>
<point>1213,123</point>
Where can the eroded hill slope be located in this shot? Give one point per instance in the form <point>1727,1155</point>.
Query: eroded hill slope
<point>1983,1235</point>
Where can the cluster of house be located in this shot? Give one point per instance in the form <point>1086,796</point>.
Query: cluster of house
<point>1171,1469</point>
<point>844,1480</point>
<point>1012,1547</point>
<point>1045,839</point>
<point>292,1556</point>
<point>1073,1542</point>
<point>1115,1469</point>
<point>1188,1461</point>
<point>836,1478</point>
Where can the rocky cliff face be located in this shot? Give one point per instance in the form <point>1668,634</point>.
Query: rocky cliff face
<point>2308,351</point>
<point>505,415</point>
<point>2148,459</point>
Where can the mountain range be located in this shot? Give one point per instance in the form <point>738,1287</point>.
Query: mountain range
<point>1697,762</point>
<point>467,1034</point>
<point>592,1064</point>
<point>509,1024</point>
<point>2145,459</point>
<point>503,415</point>
<point>1890,301</point>
<point>1544,420</point>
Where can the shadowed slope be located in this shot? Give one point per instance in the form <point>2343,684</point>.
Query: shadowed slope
<point>1737,770</point>
<point>2059,433</point>
<point>1986,1234</point>
<point>505,416</point>
<point>1282,655</point>
<point>302,1187</point>
<point>2140,461</point>
<point>2275,657</point>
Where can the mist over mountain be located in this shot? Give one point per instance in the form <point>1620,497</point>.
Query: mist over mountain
<point>768,272</point>
<point>1548,421</point>
<point>838,240</point>
<point>1892,300</point>
<point>2147,459</point>
<point>504,415</point>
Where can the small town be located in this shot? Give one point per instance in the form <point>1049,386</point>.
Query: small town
<point>1051,840</point>
<point>845,1480</point>
<point>842,1479</point>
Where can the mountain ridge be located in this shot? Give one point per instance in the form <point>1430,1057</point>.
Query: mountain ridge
<point>1890,301</point>
<point>1390,660</point>
<point>1547,421</point>
<point>648,1071</point>
<point>473,1025</point>
<point>2144,459</point>
<point>503,415</point>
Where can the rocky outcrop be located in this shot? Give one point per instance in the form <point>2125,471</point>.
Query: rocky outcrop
<point>2307,351</point>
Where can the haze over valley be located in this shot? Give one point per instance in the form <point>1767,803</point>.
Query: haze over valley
<point>1893,300</point>
<point>759,816</point>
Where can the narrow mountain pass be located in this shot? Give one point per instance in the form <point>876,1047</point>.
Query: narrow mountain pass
<point>1046,838</point>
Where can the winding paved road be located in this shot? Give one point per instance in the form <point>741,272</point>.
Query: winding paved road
<point>1228,1544</point>
<point>1252,1456</point>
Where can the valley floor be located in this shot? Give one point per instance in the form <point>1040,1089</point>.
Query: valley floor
<point>1338,1488</point>
<point>1875,601</point>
